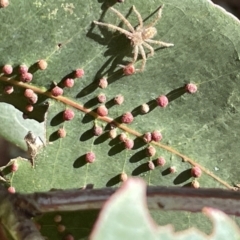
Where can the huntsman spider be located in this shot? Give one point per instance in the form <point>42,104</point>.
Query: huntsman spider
<point>140,37</point>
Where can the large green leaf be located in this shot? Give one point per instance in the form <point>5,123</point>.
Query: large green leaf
<point>135,221</point>
<point>201,128</point>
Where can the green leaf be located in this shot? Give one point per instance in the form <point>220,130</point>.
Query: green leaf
<point>125,216</point>
<point>200,128</point>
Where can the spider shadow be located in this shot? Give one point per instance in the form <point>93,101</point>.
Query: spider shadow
<point>107,3</point>
<point>118,47</point>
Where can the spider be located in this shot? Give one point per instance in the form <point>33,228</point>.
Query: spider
<point>140,36</point>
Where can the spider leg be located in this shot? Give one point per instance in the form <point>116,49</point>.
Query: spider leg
<point>164,44</point>
<point>159,15</point>
<point>138,16</point>
<point>135,50</point>
<point>144,59</point>
<point>127,33</point>
<point>150,49</point>
<point>129,25</point>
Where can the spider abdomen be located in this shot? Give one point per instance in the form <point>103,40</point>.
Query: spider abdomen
<point>148,33</point>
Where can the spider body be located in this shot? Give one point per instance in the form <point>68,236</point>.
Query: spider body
<point>140,37</point>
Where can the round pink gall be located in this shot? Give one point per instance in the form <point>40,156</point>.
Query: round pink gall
<point>127,118</point>
<point>42,64</point>
<point>26,77</point>
<point>191,87</point>
<point>156,136</point>
<point>28,93</point>
<point>33,99</point>
<point>161,161</point>
<point>79,73</point>
<point>14,167</point>
<point>102,98</point>
<point>4,3</point>
<point>90,157</point>
<point>29,108</point>
<point>147,137</point>
<point>103,83</point>
<point>162,101</point>
<point>195,184</point>
<point>61,228</point>
<point>8,89</point>
<point>196,172</point>
<point>129,69</point>
<point>58,218</point>
<point>128,143</point>
<point>113,133</point>
<point>97,130</point>
<point>122,137</point>
<point>69,82</point>
<point>102,111</point>
<point>7,69</point>
<point>57,91</point>
<point>151,165</point>
<point>69,237</point>
<point>173,169</point>
<point>123,177</point>
<point>23,69</point>
<point>145,108</point>
<point>61,133</point>
<point>68,115</point>
<point>150,151</point>
<point>119,99</point>
<point>11,190</point>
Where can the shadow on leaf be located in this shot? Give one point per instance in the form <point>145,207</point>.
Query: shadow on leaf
<point>58,119</point>
<point>140,169</point>
<point>113,181</point>
<point>80,162</point>
<point>87,135</point>
<point>53,137</point>
<point>102,138</point>
<point>138,156</point>
<point>183,177</point>
<point>116,149</point>
<point>176,93</point>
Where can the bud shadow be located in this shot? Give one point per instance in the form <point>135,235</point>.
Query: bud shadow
<point>116,149</point>
<point>166,171</point>
<point>87,118</point>
<point>140,169</point>
<point>189,184</point>
<point>138,143</point>
<point>176,93</point>
<point>91,103</point>
<point>80,162</point>
<point>113,181</point>
<point>138,156</point>
<point>57,119</point>
<point>183,177</point>
<point>87,135</point>
<point>102,138</point>
<point>114,141</point>
<point>53,137</point>
<point>110,103</point>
